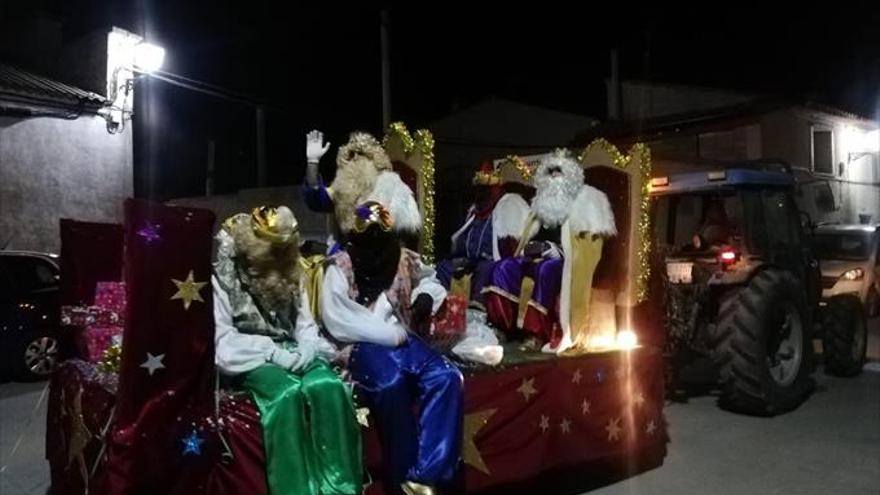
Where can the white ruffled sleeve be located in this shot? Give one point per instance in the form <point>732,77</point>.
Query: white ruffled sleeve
<point>306,331</point>
<point>348,321</point>
<point>425,282</point>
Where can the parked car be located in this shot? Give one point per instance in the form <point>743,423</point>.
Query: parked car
<point>849,256</point>
<point>29,314</point>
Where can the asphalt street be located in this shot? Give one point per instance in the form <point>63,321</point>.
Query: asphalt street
<point>830,445</point>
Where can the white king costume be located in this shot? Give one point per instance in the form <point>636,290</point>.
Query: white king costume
<point>545,290</point>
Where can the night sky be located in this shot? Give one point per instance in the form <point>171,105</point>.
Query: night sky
<point>317,65</point>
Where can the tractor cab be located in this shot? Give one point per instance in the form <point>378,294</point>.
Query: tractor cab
<point>717,227</point>
<point>740,282</point>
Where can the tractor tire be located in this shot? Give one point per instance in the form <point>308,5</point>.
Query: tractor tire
<point>845,342</point>
<point>762,345</point>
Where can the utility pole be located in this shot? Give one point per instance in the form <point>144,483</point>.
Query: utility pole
<point>385,21</point>
<point>262,167</point>
<point>209,176</point>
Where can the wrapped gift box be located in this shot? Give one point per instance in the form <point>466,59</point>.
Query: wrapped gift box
<point>98,339</point>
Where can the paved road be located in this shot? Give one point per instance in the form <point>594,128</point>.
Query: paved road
<point>830,445</point>
<point>23,468</point>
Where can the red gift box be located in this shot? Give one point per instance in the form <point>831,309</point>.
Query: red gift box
<point>98,339</point>
<point>100,323</point>
<point>451,318</point>
<point>449,323</point>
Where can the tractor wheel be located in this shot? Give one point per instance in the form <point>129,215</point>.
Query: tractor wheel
<point>846,336</point>
<point>762,346</point>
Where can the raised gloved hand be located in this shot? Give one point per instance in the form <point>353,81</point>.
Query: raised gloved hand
<point>315,146</point>
<point>421,310</point>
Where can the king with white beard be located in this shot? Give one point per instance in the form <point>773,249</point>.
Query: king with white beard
<point>531,293</point>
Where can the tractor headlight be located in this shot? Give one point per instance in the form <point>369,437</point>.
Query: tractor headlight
<point>854,274</point>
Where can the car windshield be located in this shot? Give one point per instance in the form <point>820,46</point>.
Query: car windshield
<point>850,246</point>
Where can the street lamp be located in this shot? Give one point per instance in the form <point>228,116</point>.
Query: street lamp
<point>133,58</point>
<point>148,57</point>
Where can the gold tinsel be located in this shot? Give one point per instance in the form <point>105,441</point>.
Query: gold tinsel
<point>643,227</point>
<point>111,359</point>
<point>423,144</point>
<point>524,169</point>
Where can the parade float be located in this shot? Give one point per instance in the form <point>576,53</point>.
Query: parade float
<point>145,411</point>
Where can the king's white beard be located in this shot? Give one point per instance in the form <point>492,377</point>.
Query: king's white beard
<point>553,199</point>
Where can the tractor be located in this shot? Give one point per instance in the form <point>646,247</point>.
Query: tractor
<point>742,287</point>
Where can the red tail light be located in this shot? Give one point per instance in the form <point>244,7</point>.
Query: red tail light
<point>728,257</point>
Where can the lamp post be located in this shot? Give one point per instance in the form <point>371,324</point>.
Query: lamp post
<point>147,57</point>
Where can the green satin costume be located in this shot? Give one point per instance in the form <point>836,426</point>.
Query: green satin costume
<point>310,432</point>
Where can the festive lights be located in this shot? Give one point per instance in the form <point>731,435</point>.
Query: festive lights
<point>423,145</point>
<point>524,169</point>
<point>111,359</point>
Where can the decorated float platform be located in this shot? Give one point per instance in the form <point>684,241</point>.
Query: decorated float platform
<point>155,420</point>
<point>154,416</point>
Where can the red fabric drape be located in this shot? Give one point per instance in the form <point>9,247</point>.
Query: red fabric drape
<point>161,327</point>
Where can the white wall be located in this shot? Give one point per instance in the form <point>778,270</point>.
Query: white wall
<point>787,135</point>
<point>53,168</point>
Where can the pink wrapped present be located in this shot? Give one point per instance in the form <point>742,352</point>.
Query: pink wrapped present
<point>110,296</point>
<point>97,339</point>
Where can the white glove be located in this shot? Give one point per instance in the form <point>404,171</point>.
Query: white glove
<point>291,360</point>
<point>315,147</point>
<point>552,252</point>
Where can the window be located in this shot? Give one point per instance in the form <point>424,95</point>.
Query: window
<point>842,246</point>
<point>715,217</point>
<point>823,150</point>
<point>30,274</point>
<point>6,293</point>
<point>781,230</point>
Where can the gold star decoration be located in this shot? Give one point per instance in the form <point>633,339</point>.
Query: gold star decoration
<point>651,428</point>
<point>544,425</point>
<point>585,407</point>
<point>79,438</point>
<point>639,399</point>
<point>565,426</point>
<point>613,428</point>
<point>473,423</point>
<point>363,416</point>
<point>527,389</point>
<point>576,377</point>
<point>188,290</point>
